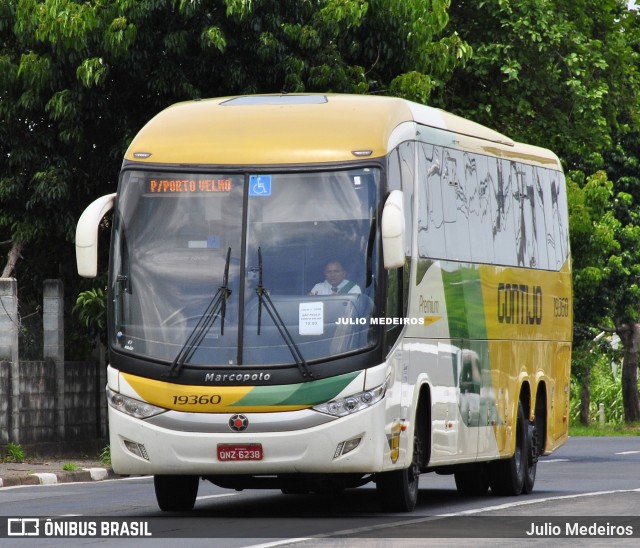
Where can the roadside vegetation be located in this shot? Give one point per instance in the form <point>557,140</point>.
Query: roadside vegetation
<point>14,453</point>
<point>105,455</point>
<point>605,430</point>
<point>605,411</point>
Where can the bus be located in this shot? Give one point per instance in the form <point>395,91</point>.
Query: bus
<point>449,352</point>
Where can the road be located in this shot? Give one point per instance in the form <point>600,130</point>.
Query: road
<point>597,477</point>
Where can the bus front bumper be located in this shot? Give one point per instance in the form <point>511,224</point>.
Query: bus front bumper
<point>351,444</point>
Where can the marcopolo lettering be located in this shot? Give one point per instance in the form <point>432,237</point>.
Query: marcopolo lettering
<point>519,304</point>
<point>236,377</point>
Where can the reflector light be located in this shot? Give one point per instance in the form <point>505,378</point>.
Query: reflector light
<point>345,447</point>
<point>137,449</point>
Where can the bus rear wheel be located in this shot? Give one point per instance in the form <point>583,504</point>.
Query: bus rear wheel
<point>532,459</point>
<point>176,493</point>
<point>507,476</point>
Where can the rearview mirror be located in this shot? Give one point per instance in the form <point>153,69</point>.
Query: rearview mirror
<point>393,231</point>
<point>87,235</point>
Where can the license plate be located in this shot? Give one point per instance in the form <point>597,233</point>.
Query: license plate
<point>239,451</point>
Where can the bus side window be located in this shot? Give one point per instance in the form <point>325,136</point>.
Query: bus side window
<point>431,241</point>
<point>504,224</point>
<point>479,183</point>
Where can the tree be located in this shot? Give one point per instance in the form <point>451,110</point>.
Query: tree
<point>556,73</point>
<point>592,231</point>
<point>607,275</point>
<point>79,79</point>
<point>624,166</point>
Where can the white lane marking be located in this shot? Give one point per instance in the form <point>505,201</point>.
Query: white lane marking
<point>536,501</point>
<point>545,461</point>
<point>216,496</point>
<point>628,453</point>
<point>282,542</point>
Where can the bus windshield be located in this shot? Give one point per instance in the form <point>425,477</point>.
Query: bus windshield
<point>220,269</point>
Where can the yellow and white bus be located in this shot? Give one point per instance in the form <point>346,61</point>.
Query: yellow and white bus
<point>445,346</point>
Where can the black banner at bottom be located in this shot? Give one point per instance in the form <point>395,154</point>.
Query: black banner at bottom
<point>619,527</point>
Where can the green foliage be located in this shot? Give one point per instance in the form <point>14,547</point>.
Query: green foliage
<point>558,73</point>
<point>92,72</point>
<point>606,430</point>
<point>105,455</point>
<point>15,453</point>
<point>69,467</point>
<point>91,307</point>
<point>606,389</point>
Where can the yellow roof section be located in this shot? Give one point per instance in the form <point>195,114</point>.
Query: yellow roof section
<point>271,129</point>
<point>304,128</point>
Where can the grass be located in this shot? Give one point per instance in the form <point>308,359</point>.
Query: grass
<point>632,429</point>
<point>105,455</point>
<point>70,467</point>
<point>15,453</point>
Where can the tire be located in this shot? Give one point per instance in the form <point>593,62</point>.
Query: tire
<point>532,459</point>
<point>507,476</point>
<point>474,483</point>
<point>176,493</point>
<point>537,439</point>
<point>398,490</point>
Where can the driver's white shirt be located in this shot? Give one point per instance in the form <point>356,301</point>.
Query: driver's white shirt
<point>325,288</point>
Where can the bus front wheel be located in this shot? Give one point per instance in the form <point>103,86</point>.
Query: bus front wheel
<point>398,490</point>
<point>176,493</point>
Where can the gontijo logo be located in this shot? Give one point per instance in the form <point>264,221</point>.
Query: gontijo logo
<point>519,304</point>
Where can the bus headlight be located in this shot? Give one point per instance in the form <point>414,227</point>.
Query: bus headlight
<point>352,404</point>
<point>132,407</point>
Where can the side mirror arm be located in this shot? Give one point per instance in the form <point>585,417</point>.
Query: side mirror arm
<point>87,235</point>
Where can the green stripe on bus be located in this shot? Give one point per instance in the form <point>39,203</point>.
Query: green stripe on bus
<point>307,393</point>
<point>465,306</point>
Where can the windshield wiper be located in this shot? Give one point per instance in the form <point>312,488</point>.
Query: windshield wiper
<point>217,307</point>
<point>264,299</point>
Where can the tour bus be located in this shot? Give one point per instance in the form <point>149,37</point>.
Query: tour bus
<point>310,292</point>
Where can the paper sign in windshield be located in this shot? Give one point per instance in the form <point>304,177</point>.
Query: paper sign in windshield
<point>311,318</point>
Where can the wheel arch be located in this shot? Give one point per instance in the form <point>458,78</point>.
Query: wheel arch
<point>525,398</point>
<point>540,414</point>
<point>422,423</point>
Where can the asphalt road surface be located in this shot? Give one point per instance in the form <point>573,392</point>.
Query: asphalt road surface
<point>588,492</point>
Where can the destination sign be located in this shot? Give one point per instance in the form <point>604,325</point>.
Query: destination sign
<point>189,186</point>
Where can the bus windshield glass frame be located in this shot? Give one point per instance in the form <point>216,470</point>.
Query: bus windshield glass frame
<point>231,269</point>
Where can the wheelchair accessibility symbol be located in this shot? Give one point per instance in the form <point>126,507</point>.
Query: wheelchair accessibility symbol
<point>260,185</point>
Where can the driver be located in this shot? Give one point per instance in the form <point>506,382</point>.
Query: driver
<point>335,282</point>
